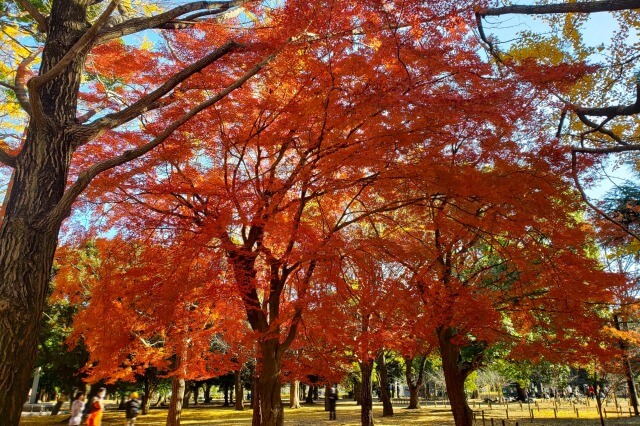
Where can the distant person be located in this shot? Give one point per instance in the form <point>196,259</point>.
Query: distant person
<point>333,399</point>
<point>77,407</point>
<point>97,408</point>
<point>132,408</point>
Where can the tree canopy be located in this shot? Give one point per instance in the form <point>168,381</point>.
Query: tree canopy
<point>367,176</point>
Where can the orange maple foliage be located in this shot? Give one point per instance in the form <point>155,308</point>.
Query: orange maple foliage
<point>377,140</point>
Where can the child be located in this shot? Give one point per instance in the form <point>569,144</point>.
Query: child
<point>133,407</point>
<point>76,409</point>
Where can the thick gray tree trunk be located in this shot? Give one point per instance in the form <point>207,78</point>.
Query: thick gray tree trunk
<point>239,390</point>
<point>27,244</point>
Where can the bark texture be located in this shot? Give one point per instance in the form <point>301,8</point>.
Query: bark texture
<point>294,395</point>
<point>150,387</point>
<point>269,384</point>
<point>455,374</point>
<point>414,385</point>
<point>568,7</point>
<point>36,202</point>
<point>177,398</point>
<point>27,245</point>
<point>239,390</point>
<point>383,376</point>
<point>626,364</point>
<point>366,410</point>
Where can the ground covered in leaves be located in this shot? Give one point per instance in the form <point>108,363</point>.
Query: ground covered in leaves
<point>349,415</point>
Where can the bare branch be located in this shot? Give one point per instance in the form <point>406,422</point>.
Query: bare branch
<point>96,128</point>
<point>573,7</point>
<point>492,49</point>
<point>566,7</point>
<point>161,20</point>
<point>8,86</point>
<point>20,90</point>
<point>35,14</point>
<point>574,173</point>
<point>610,111</point>
<point>599,128</point>
<point>607,150</point>
<point>63,207</point>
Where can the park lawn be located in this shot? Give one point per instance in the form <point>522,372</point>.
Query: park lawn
<point>348,415</point>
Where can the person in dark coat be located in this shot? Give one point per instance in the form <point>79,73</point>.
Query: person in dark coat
<point>132,408</point>
<point>333,398</point>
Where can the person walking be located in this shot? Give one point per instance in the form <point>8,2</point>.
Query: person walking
<point>333,399</point>
<point>97,408</point>
<point>77,407</point>
<point>132,408</point>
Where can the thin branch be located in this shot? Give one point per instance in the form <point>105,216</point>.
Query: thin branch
<point>492,49</point>
<point>135,25</point>
<point>20,90</point>
<point>563,116</point>
<point>574,173</point>
<point>8,86</point>
<point>35,14</point>
<point>565,7</point>
<point>62,209</point>
<point>599,128</point>
<point>96,128</point>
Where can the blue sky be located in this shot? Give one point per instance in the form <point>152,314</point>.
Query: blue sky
<point>598,30</point>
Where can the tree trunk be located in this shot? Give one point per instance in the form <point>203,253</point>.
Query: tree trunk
<point>207,393</point>
<point>256,419</point>
<point>162,398</point>
<point>188,390</point>
<point>454,377</point>
<point>633,395</point>
<point>150,387</point>
<point>387,406</point>
<point>357,391</point>
<point>366,410</point>
<point>598,400</point>
<point>177,398</point>
<point>269,385</point>
<point>146,403</point>
<point>327,389</point>
<point>521,393</point>
<point>414,397</point>
<point>239,390</point>
<point>39,178</point>
<point>309,398</point>
<point>56,408</point>
<point>414,386</point>
<point>294,395</point>
<point>196,391</point>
